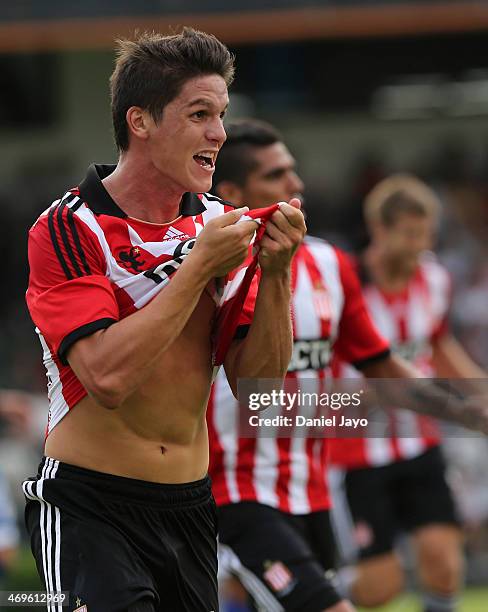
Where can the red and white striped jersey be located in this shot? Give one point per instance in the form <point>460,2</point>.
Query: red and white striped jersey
<point>410,319</point>
<point>328,313</point>
<point>91,265</point>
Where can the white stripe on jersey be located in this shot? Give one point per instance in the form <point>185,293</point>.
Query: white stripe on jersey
<point>171,240</point>
<point>266,469</point>
<point>58,406</point>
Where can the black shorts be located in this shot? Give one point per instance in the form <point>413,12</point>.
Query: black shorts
<point>402,496</point>
<point>281,559</point>
<point>112,541</point>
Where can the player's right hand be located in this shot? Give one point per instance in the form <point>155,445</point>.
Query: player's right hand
<point>223,243</point>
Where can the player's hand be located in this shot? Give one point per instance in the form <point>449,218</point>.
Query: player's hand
<point>223,243</point>
<point>284,232</point>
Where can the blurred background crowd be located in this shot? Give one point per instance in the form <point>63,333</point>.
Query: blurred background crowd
<point>358,89</point>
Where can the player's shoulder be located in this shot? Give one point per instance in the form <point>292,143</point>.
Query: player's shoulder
<point>323,249</point>
<point>316,241</point>
<point>431,268</point>
<point>61,209</point>
<point>318,245</point>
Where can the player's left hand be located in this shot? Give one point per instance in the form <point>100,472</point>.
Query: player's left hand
<point>285,231</point>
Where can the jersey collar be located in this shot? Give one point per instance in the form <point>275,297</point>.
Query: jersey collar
<point>97,198</point>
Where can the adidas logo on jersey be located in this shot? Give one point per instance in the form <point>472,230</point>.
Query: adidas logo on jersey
<point>174,234</point>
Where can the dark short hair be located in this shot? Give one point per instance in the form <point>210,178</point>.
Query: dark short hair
<point>151,71</point>
<point>235,160</point>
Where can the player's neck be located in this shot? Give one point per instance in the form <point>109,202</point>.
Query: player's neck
<point>142,193</point>
<point>385,273</point>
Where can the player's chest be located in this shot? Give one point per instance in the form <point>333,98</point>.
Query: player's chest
<point>141,259</point>
<point>317,302</point>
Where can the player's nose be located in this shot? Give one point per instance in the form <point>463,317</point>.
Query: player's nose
<point>295,183</point>
<point>216,132</point>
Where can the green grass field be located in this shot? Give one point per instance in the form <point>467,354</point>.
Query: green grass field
<point>473,600</point>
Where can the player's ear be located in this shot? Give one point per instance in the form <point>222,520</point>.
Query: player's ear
<point>138,122</point>
<point>229,191</point>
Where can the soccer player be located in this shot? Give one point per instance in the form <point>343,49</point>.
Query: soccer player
<point>398,482</point>
<point>272,495</point>
<point>123,293</point>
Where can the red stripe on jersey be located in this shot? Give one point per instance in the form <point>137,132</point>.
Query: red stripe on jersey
<point>284,473</point>
<point>246,457</point>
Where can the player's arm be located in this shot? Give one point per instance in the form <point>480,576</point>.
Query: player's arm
<point>357,341</point>
<point>113,359</point>
<point>266,350</point>
<point>450,360</point>
<point>424,396</point>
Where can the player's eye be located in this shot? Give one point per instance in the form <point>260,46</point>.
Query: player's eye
<point>275,174</point>
<point>199,114</point>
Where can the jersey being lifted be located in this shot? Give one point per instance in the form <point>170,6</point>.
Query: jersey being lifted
<point>91,265</point>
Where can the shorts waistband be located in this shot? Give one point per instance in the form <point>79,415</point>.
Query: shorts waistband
<point>181,494</point>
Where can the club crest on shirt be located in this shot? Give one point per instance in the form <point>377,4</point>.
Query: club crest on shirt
<point>321,301</point>
<point>130,259</point>
<point>279,578</point>
<point>363,534</point>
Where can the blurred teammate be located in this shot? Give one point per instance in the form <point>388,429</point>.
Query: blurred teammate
<point>14,418</point>
<point>398,482</point>
<point>123,294</point>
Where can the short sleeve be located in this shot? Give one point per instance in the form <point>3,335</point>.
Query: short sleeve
<point>69,295</point>
<point>359,342</point>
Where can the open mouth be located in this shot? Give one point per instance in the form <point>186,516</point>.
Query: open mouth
<point>205,159</point>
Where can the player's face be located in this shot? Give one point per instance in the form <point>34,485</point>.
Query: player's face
<point>184,144</point>
<point>407,238</point>
<point>274,179</point>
